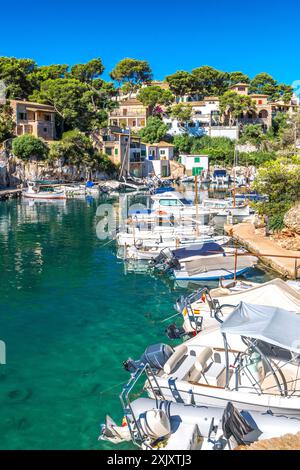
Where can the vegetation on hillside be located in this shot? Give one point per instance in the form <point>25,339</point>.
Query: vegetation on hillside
<point>82,100</point>
<point>280,181</point>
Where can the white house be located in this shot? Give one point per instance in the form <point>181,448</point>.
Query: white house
<point>157,160</point>
<point>205,121</point>
<point>194,164</point>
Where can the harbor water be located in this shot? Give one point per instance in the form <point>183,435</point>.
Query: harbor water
<point>70,316</point>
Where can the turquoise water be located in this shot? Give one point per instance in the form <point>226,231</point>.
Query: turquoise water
<point>69,317</point>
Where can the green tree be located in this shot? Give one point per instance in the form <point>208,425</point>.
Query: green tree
<point>238,77</point>
<point>17,76</point>
<point>154,95</point>
<point>75,148</point>
<point>47,72</point>
<point>183,143</point>
<point>181,83</point>
<point>182,111</point>
<point>263,83</point>
<point>251,133</point>
<point>7,124</point>
<point>219,149</point>
<point>132,72</point>
<point>210,81</point>
<point>74,101</point>
<point>27,146</point>
<point>280,181</point>
<point>154,131</point>
<point>232,105</point>
<point>88,72</point>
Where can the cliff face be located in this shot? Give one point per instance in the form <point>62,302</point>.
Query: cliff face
<point>292,219</point>
<point>14,172</point>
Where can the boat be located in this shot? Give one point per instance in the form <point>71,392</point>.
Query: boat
<point>252,360</point>
<point>73,190</point>
<point>170,204</point>
<point>35,191</point>
<point>198,309</point>
<point>200,306</point>
<point>225,207</point>
<point>172,236</point>
<point>251,196</point>
<point>220,176</point>
<point>208,261</point>
<point>151,252</point>
<point>187,179</point>
<point>160,424</point>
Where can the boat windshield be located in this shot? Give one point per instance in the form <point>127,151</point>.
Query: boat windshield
<point>185,201</point>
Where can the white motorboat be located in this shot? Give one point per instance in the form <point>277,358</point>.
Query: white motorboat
<point>160,424</point>
<point>170,204</point>
<point>225,207</point>
<point>198,308</point>
<point>73,190</point>
<point>209,261</point>
<point>163,234</point>
<point>252,360</point>
<point>36,191</point>
<point>220,176</point>
<point>151,252</point>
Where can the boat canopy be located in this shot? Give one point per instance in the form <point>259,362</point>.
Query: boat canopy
<point>164,189</point>
<point>201,249</point>
<point>219,173</point>
<point>274,293</point>
<point>274,325</point>
<point>219,263</point>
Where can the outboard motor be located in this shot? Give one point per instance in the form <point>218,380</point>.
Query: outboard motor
<point>175,332</point>
<point>165,261</point>
<point>155,355</point>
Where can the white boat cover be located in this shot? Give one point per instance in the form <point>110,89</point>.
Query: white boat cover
<point>273,325</point>
<point>276,293</point>
<point>213,262</point>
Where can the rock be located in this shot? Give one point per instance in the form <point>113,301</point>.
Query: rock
<point>292,219</point>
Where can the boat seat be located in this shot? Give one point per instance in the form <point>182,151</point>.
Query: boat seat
<point>184,368</point>
<point>180,363</point>
<point>215,374</point>
<point>200,364</point>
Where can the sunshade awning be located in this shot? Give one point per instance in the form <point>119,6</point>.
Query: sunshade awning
<point>274,293</point>
<point>273,325</point>
<point>201,249</point>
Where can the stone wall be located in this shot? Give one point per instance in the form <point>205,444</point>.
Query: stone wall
<point>15,172</point>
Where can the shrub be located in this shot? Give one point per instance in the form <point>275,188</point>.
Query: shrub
<point>27,146</point>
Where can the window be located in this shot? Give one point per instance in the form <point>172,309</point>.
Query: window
<point>169,202</point>
<point>23,116</point>
<point>162,152</point>
<point>108,151</point>
<point>143,153</point>
<point>260,102</point>
<point>197,159</point>
<point>124,112</point>
<point>47,117</point>
<point>45,130</point>
<point>116,151</point>
<point>241,88</point>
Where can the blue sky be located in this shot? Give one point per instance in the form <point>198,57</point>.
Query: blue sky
<point>173,35</point>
